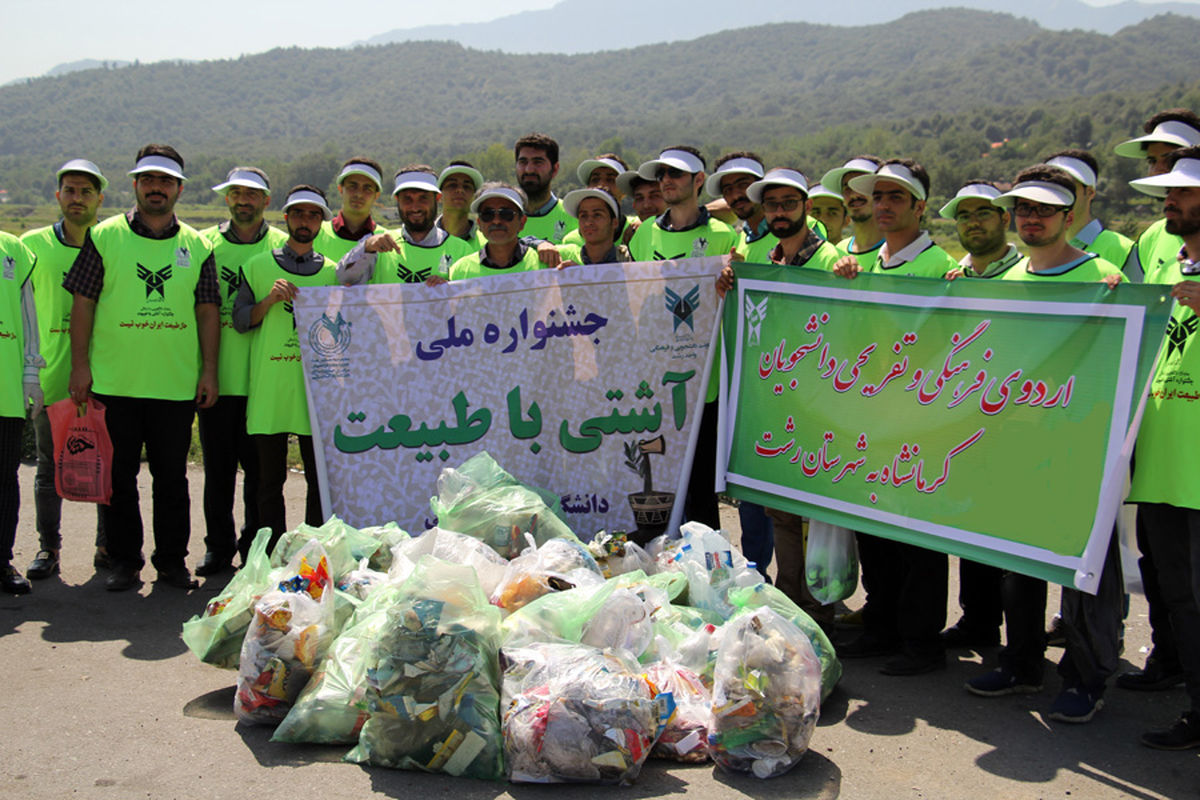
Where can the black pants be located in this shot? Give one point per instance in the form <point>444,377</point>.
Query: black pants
<point>980,596</point>
<point>1174,537</point>
<point>10,490</point>
<point>701,502</point>
<point>1024,652</point>
<point>906,593</point>
<point>226,445</point>
<point>164,427</point>
<point>272,473</point>
<point>1162,638</point>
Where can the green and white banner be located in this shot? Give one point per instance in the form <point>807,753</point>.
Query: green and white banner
<point>992,420</point>
<point>586,381</point>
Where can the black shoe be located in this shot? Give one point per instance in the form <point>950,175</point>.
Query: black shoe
<point>1056,636</point>
<point>44,565</point>
<point>213,565</point>
<point>869,645</point>
<point>13,582</point>
<point>123,578</point>
<point>963,636</point>
<point>102,560</point>
<point>1184,734</point>
<point>1155,677</point>
<point>908,664</point>
<point>179,577</point>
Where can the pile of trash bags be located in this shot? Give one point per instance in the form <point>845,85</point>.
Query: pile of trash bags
<point>507,648</point>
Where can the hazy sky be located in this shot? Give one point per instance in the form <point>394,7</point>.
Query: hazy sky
<point>36,35</point>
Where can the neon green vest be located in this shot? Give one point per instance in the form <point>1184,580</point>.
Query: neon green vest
<point>1087,272</point>
<point>471,267</point>
<point>866,259</point>
<point>1111,246</point>
<point>16,264</point>
<point>932,262</point>
<point>574,237</point>
<point>653,243</point>
<point>53,308</point>
<point>413,263</point>
<point>233,364</point>
<point>144,339</point>
<point>552,226</point>
<point>1157,251</point>
<point>277,403</point>
<point>334,247</point>
<point>1165,458</point>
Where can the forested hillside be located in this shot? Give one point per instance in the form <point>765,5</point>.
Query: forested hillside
<point>942,86</point>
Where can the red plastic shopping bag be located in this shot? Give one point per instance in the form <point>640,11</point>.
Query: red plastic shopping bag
<point>82,451</point>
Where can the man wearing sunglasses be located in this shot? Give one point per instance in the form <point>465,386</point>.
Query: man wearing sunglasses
<point>687,230</point>
<point>1041,200</point>
<point>500,211</point>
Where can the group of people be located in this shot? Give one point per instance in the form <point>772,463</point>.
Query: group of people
<point>158,322</point>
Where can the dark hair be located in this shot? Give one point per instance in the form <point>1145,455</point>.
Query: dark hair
<point>1079,155</point>
<point>1048,174</point>
<point>916,169</point>
<point>638,181</point>
<point>689,149</point>
<point>873,159</point>
<point>415,168</point>
<point>978,182</point>
<point>502,185</point>
<point>369,162</point>
<point>308,187</point>
<point>1183,152</point>
<point>461,163</point>
<point>615,158</point>
<point>255,170</point>
<point>537,141</point>
<point>80,173</point>
<point>1184,115</point>
<point>737,154</point>
<point>164,150</point>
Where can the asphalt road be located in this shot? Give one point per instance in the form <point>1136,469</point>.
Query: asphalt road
<point>102,700</point>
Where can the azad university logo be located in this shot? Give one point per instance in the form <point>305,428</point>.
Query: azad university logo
<point>1178,334</point>
<point>232,280</point>
<point>329,338</point>
<point>155,280</point>
<point>683,307</point>
<point>756,313</point>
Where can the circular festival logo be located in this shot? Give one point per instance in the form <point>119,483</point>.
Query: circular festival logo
<point>329,337</point>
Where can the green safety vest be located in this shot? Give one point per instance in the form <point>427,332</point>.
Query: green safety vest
<point>1109,245</point>
<point>145,341</point>
<point>866,259</point>
<point>277,402</point>
<point>1094,269</point>
<point>1165,458</point>
<point>653,243</point>
<point>575,238</point>
<point>16,264</point>
<point>932,262</point>
<point>334,247</point>
<point>233,364</point>
<point>413,263</point>
<point>551,226</point>
<point>471,266</point>
<point>1157,251</point>
<point>54,259</point>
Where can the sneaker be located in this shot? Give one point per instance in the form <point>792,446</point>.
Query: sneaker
<point>13,582</point>
<point>43,565</point>
<point>1184,734</point>
<point>1154,677</point>
<point>1057,635</point>
<point>1000,682</point>
<point>1076,705</point>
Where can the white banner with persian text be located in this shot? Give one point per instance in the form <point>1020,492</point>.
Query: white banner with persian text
<point>586,381</point>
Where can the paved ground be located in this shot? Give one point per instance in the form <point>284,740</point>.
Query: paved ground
<point>102,700</point>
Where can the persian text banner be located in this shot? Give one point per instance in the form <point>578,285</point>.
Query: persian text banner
<point>586,381</point>
<point>982,418</point>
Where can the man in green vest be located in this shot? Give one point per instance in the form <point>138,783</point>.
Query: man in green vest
<point>1155,251</point>
<point>223,437</point>
<point>458,183</point>
<point>644,195</point>
<point>80,194</point>
<point>20,391</point>
<point>602,172</point>
<point>500,209</point>
<point>145,332</point>
<point>1164,476</point>
<point>732,177</point>
<point>599,221</point>
<point>1087,232</point>
<point>866,238</point>
<point>1041,200</point>
<point>277,404</point>
<point>415,252</point>
<point>536,157</point>
<point>982,228</point>
<point>829,209</point>
<point>359,183</point>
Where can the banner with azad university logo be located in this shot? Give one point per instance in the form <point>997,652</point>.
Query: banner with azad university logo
<point>988,419</point>
<point>586,381</point>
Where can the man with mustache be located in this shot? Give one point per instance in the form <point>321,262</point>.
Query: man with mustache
<point>536,157</point>
<point>1164,485</point>
<point>500,209</point>
<point>277,405</point>
<point>1042,199</point>
<point>359,184</point>
<point>865,239</point>
<point>80,194</point>
<point>732,177</point>
<point>145,332</point>
<point>223,437</point>
<point>415,252</point>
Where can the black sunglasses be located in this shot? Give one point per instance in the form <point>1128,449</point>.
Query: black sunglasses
<point>506,214</point>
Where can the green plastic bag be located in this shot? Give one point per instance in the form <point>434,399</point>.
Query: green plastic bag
<point>830,562</point>
<point>333,706</point>
<point>215,635</point>
<point>344,545</point>
<point>433,677</point>
<point>764,594</point>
